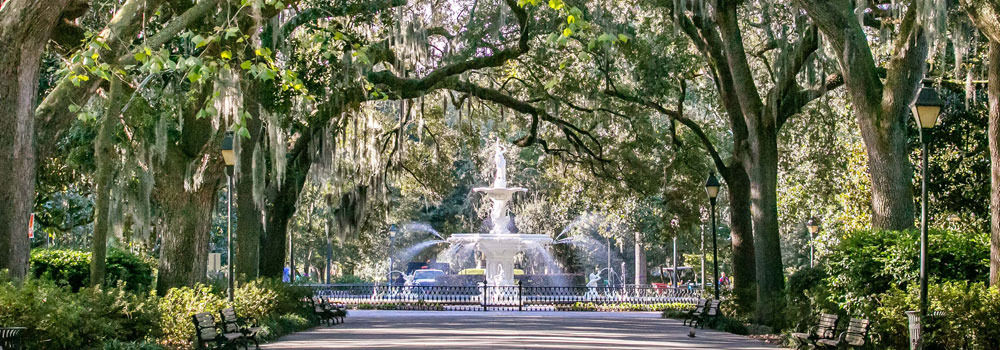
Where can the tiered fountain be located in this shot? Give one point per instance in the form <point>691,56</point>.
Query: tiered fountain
<point>500,246</point>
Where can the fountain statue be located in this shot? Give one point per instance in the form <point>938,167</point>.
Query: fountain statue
<point>499,245</point>
<point>592,286</point>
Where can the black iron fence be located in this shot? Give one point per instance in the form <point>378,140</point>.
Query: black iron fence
<point>517,297</point>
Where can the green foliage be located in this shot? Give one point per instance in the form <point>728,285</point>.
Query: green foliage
<point>58,318</point>
<point>275,306</point>
<point>970,320</point>
<point>873,275</point>
<point>134,345</point>
<point>65,267</point>
<point>72,268</point>
<point>868,263</point>
<point>808,295</point>
<point>257,300</point>
<point>179,305</point>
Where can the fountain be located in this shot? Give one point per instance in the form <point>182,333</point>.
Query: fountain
<point>500,246</point>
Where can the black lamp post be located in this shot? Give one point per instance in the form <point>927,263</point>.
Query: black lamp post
<point>813,227</point>
<point>230,158</point>
<point>392,242</point>
<point>712,188</point>
<point>926,110</point>
<point>329,242</point>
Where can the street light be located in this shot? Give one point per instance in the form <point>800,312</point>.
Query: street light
<point>712,188</point>
<point>392,242</point>
<point>813,227</point>
<point>926,110</point>
<point>229,156</point>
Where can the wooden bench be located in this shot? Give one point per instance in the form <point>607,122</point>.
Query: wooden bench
<point>699,308</point>
<point>207,335</point>
<point>711,312</point>
<point>234,324</point>
<point>854,337</point>
<point>10,338</point>
<point>826,329</point>
<point>326,313</point>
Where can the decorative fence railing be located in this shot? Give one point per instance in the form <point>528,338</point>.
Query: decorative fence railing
<point>507,297</point>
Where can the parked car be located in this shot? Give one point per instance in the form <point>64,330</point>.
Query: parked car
<point>426,277</point>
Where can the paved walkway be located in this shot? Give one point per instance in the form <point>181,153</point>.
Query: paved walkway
<point>510,330</point>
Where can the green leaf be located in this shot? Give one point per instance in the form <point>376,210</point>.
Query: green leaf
<point>246,65</point>
<point>244,132</point>
<point>550,83</point>
<point>199,41</point>
<point>140,56</point>
<point>231,32</point>
<point>623,38</point>
<point>193,75</point>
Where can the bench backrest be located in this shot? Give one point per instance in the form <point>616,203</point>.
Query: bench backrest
<point>699,307</point>
<point>204,327</point>
<point>857,331</point>
<point>230,324</point>
<point>827,327</point>
<point>713,308</point>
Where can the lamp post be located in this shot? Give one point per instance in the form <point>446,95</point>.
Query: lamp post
<point>926,110</point>
<point>813,227</point>
<point>329,242</point>
<point>230,158</point>
<point>392,243</point>
<point>712,188</point>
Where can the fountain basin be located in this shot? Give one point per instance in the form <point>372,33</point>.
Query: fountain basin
<point>501,193</point>
<point>499,251</point>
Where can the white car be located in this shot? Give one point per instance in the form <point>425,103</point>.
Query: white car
<point>426,277</point>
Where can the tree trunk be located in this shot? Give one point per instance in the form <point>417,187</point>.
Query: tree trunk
<point>187,202</point>
<point>104,156</point>
<point>188,218</point>
<point>281,207</point>
<point>890,170</point>
<point>249,226</point>
<point>994,137</point>
<point>274,248</point>
<point>25,28</point>
<point>986,16</point>
<point>741,235</point>
<point>640,260</point>
<point>881,108</point>
<point>763,196</point>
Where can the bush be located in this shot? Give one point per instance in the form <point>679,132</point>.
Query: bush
<point>267,302</point>
<point>808,295</point>
<point>72,268</point>
<point>970,320</point>
<point>116,318</point>
<point>873,275</point>
<point>141,345</point>
<point>868,263</point>
<point>57,318</point>
<point>179,305</point>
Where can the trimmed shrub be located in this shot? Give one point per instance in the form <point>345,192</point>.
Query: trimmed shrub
<point>72,268</point>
